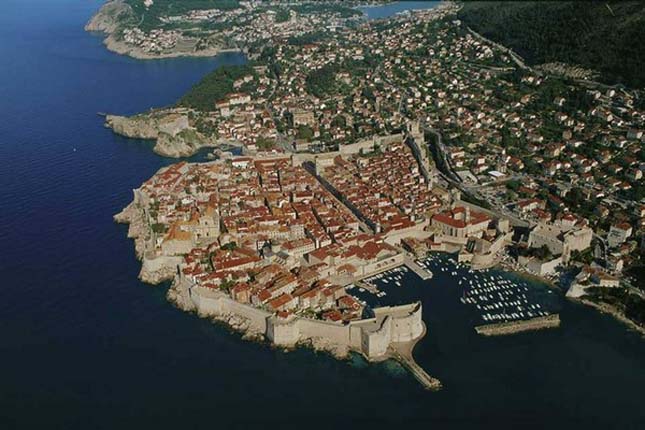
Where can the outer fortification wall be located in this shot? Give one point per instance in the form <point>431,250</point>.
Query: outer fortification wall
<point>371,337</point>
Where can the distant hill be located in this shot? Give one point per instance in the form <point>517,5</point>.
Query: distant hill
<point>149,15</point>
<point>603,36</point>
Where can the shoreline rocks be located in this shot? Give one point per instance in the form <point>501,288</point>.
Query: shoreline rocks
<point>110,18</point>
<point>119,47</point>
<point>137,228</point>
<point>612,311</point>
<point>172,133</point>
<point>178,295</point>
<point>153,270</point>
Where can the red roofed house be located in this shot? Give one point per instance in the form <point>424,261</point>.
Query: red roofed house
<point>461,223</point>
<point>282,303</point>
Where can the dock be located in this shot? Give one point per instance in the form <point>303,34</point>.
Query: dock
<point>420,271</point>
<point>511,327</point>
<point>369,287</point>
<point>428,382</point>
<point>402,352</point>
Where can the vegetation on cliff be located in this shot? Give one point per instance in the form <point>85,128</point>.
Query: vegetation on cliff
<point>602,36</point>
<point>148,17</point>
<point>214,87</point>
<point>630,304</point>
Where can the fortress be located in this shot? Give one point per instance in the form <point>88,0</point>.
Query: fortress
<point>372,337</point>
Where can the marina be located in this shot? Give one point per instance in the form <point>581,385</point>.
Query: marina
<point>494,296</point>
<point>165,369</point>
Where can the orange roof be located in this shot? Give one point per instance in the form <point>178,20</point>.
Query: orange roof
<point>280,301</point>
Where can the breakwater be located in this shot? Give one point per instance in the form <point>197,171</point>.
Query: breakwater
<point>428,382</point>
<point>505,328</point>
<point>402,352</point>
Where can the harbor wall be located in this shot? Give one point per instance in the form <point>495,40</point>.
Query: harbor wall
<point>538,323</point>
<point>540,267</point>
<point>491,256</point>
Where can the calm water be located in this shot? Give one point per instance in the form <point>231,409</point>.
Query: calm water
<point>390,9</point>
<point>84,345</point>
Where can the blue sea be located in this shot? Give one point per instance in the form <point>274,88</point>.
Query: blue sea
<point>395,7</point>
<point>85,345</point>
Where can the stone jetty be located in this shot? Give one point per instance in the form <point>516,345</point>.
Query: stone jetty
<point>538,323</point>
<point>402,352</point>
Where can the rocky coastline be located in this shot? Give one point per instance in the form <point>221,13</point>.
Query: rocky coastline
<point>108,18</point>
<point>153,271</point>
<point>173,136</point>
<point>108,21</point>
<point>122,48</point>
<point>137,229</point>
<point>612,311</point>
<point>178,295</point>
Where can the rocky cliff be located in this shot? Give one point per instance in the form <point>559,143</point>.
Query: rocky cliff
<point>116,15</point>
<point>135,127</point>
<point>110,17</point>
<point>154,270</point>
<point>173,134</point>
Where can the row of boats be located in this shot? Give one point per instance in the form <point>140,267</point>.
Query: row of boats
<point>426,263</point>
<point>497,298</point>
<point>393,275</point>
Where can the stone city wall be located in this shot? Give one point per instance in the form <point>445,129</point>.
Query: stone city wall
<point>216,303</point>
<point>372,337</point>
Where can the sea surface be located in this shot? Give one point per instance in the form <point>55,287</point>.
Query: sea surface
<point>85,345</point>
<point>393,8</point>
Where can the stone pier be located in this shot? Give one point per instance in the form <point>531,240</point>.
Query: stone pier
<point>420,271</point>
<point>538,323</point>
<point>402,352</point>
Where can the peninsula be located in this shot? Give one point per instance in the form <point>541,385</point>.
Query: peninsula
<point>363,147</point>
<point>153,29</point>
<point>262,244</point>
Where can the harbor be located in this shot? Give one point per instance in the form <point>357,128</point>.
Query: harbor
<point>501,300</point>
<point>376,285</point>
<point>418,267</point>
<point>492,296</point>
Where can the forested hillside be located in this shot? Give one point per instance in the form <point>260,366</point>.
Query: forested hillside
<point>147,18</point>
<point>214,87</point>
<point>604,36</point>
